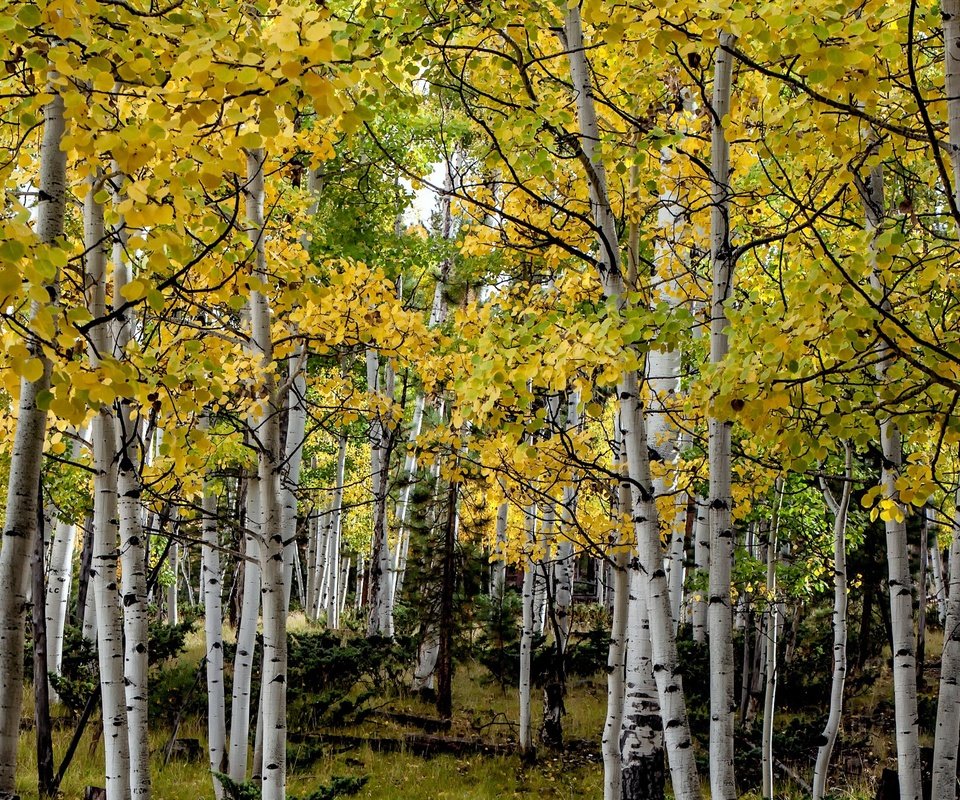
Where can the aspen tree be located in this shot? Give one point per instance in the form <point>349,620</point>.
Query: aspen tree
<point>269,464</point>
<point>20,524</point>
<point>133,565</point>
<point>899,578</point>
<point>839,509</point>
<point>947,735</point>
<point>526,634</point>
<point>292,459</point>
<point>773,623</point>
<point>643,510</point>
<point>337,582</point>
<point>719,609</point>
<point>110,650</point>
<point>246,636</point>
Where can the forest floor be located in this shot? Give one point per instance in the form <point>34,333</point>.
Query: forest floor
<point>386,747</point>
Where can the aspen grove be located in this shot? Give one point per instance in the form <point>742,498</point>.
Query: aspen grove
<point>569,390</point>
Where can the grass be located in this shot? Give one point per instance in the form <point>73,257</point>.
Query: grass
<point>481,708</point>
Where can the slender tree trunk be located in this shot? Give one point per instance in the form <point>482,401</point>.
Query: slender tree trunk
<point>526,637</point>
<point>701,565</point>
<point>25,461</point>
<point>213,636</point>
<point>498,577</point>
<point>46,783</point>
<point>57,601</point>
<point>438,313</point>
<point>173,590</point>
<point>59,580</point>
<point>380,622</point>
<point>615,684</point>
<point>898,559</point>
<point>86,608</point>
<point>719,612</point>
<point>641,736</point>
<point>947,736</point>
<point>643,510</point>
<point>839,510</point>
<point>773,623</point>
<point>273,679</point>
<point>292,459</point>
<point>936,564</point>
<point>133,564</point>
<point>105,532</point>
<point>246,636</point>
<point>337,585</point>
<point>312,600</point>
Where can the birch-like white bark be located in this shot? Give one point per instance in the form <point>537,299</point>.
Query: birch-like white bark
<point>610,744</point>
<point>246,636</point>
<point>59,581</point>
<point>380,621</point>
<point>643,512</point>
<point>311,598</point>
<point>269,466</point>
<point>839,509</point>
<point>663,372</point>
<point>213,633</point>
<point>526,633</point>
<point>337,584</point>
<point>947,734</point>
<point>936,565</point>
<point>438,313</point>
<point>20,524</point>
<point>498,571</point>
<point>641,735</point>
<point>701,564</point>
<point>719,609</point>
<point>292,460</point>
<point>899,578</point>
<point>773,625</point>
<point>110,648</point>
<point>133,564</point>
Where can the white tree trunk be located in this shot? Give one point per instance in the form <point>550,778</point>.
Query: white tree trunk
<point>641,737</point>
<point>773,626</point>
<point>839,510</point>
<point>380,622</point>
<point>526,636</point>
<point>59,578</point>
<point>899,578</point>
<point>947,735</point>
<point>610,744</point>
<point>110,648</point>
<point>292,459</point>
<point>270,459</point>
<point>438,313</point>
<point>133,564</point>
<point>213,636</point>
<point>173,590</point>
<point>719,611</point>
<point>701,564</point>
<point>337,581</point>
<point>344,575</point>
<point>311,599</point>
<point>948,704</point>
<point>246,637</point>
<point>643,511</point>
<point>26,455</point>
<point>498,577</point>
<point>936,565</point>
